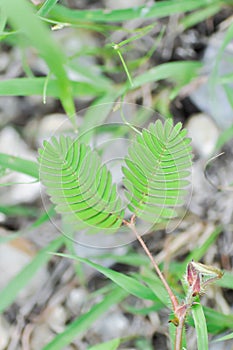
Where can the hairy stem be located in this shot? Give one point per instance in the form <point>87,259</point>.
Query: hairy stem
<point>172,297</point>
<point>179,333</point>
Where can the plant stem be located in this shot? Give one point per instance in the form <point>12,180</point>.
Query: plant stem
<point>180,310</point>
<point>172,297</point>
<point>179,333</point>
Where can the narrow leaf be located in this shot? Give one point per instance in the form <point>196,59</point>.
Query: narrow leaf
<point>110,345</point>
<point>9,293</point>
<point>83,322</point>
<point>20,165</point>
<point>200,327</point>
<point>130,284</point>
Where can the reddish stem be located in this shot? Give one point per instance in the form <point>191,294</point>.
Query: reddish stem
<point>179,333</point>
<point>172,297</point>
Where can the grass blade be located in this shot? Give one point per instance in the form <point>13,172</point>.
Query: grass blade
<point>20,165</point>
<point>83,322</point>
<point>110,345</point>
<point>224,137</point>
<point>200,16</point>
<point>9,293</point>
<point>35,86</point>
<point>217,321</point>
<point>226,337</point>
<point>22,17</point>
<point>96,114</point>
<point>200,326</point>
<point>46,7</point>
<point>181,72</point>
<point>130,284</point>
<point>158,10</point>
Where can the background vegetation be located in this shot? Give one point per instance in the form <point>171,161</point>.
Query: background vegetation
<point>70,57</point>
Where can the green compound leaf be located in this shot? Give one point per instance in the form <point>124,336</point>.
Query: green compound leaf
<point>79,185</point>
<point>156,171</point>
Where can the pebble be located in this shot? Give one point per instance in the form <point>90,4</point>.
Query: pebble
<point>204,134</point>
<point>25,189</point>
<point>210,97</point>
<point>14,256</point>
<point>76,299</point>
<point>114,325</point>
<point>41,336</point>
<point>9,107</point>
<point>52,124</point>
<point>4,333</point>
<point>57,318</point>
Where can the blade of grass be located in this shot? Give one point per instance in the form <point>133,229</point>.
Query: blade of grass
<point>18,210</point>
<point>200,16</point>
<point>9,293</point>
<point>148,276</point>
<point>110,345</point>
<point>130,284</point>
<point>3,20</point>
<point>83,322</point>
<point>19,164</point>
<point>200,327</point>
<point>35,86</point>
<point>143,311</point>
<point>46,7</point>
<point>224,137</point>
<point>217,321</point>
<point>228,92</point>
<point>96,114</point>
<point>178,269</point>
<point>132,259</point>
<point>226,280</point>
<point>225,337</point>
<point>158,10</point>
<point>181,72</point>
<point>22,17</point>
<point>197,253</point>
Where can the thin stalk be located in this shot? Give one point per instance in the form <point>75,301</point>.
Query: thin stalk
<point>172,297</point>
<point>180,310</point>
<point>116,47</point>
<point>179,333</point>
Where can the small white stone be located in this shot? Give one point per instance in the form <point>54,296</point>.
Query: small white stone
<point>114,325</point>
<point>50,125</point>
<point>4,333</point>
<point>57,319</point>
<point>41,336</point>
<point>12,261</point>
<point>210,96</point>
<point>25,189</point>
<point>204,134</point>
<point>76,300</point>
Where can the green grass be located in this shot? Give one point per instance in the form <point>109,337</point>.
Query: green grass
<point>29,28</point>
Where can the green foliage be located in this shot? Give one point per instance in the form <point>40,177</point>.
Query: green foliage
<point>110,345</point>
<point>155,178</point>
<point>128,283</point>
<point>79,185</point>
<point>156,171</point>
<point>25,26</point>
<point>22,18</point>
<point>200,327</point>
<point>82,323</point>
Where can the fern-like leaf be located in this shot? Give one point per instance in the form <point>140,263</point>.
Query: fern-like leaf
<point>157,166</point>
<point>79,185</point>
